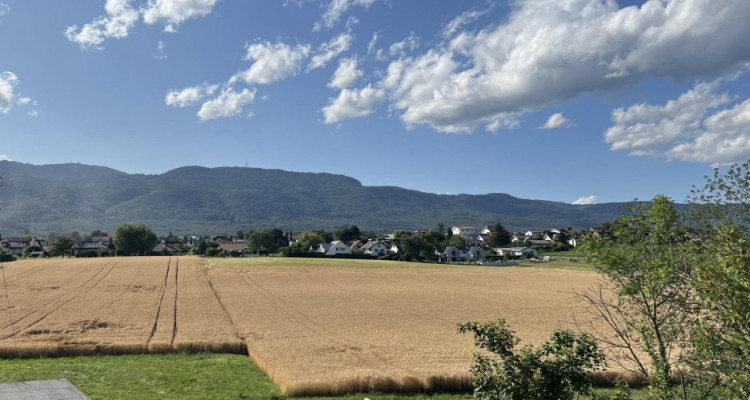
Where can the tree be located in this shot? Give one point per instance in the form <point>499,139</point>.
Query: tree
<point>554,370</point>
<point>499,237</point>
<point>721,212</point>
<point>269,239</point>
<point>347,234</point>
<point>455,240</point>
<point>61,246</point>
<point>645,295</point>
<point>134,240</point>
<point>416,248</point>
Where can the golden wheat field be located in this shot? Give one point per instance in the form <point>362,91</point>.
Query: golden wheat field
<point>314,330</point>
<point>111,306</point>
<point>331,331</point>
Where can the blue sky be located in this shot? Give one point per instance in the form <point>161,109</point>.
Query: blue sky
<point>566,100</point>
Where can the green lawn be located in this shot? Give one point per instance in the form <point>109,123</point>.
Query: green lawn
<point>173,376</point>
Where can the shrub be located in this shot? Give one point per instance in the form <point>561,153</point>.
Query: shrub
<point>554,370</point>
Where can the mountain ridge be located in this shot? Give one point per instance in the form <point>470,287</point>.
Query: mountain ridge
<point>43,199</point>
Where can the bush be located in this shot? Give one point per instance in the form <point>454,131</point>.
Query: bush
<point>554,370</point>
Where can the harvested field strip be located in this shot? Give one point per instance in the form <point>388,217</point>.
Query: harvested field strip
<point>319,331</point>
<point>115,306</point>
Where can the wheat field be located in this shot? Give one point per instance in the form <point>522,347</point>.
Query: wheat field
<point>319,331</point>
<point>314,330</point>
<point>111,306</point>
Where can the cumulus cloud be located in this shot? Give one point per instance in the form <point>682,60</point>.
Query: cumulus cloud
<point>330,50</point>
<point>121,18</point>
<point>118,22</point>
<point>352,103</point>
<point>228,103</point>
<point>189,96</point>
<point>555,120</point>
<point>546,52</point>
<point>700,125</point>
<point>174,12</point>
<point>8,97</point>
<point>585,200</point>
<point>336,9</point>
<point>273,61</point>
<point>346,74</point>
<point>4,9</point>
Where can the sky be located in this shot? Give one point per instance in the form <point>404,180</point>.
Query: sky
<point>579,101</point>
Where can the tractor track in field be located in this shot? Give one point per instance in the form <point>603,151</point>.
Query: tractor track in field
<point>176,289</point>
<point>161,300</point>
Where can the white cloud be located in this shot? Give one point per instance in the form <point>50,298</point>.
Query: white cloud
<point>4,157</point>
<point>336,9</point>
<point>585,200</point>
<point>555,120</point>
<point>273,62</point>
<point>353,103</point>
<point>700,125</point>
<point>346,74</point>
<point>189,96</point>
<point>547,52</point>
<point>409,44</point>
<point>462,20</point>
<point>330,50</point>
<point>160,55</point>
<point>229,103</point>
<point>8,97</point>
<point>4,9</point>
<point>120,19</point>
<point>174,12</point>
<point>373,42</point>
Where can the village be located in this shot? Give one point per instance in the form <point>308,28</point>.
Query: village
<point>457,244</point>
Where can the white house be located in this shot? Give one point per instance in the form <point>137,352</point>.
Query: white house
<point>375,248</point>
<point>516,251</point>
<point>453,254</point>
<point>464,231</point>
<point>333,248</point>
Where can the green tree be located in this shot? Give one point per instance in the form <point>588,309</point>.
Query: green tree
<point>556,370</point>
<point>347,234</point>
<point>499,237</point>
<point>134,240</point>
<point>455,240</point>
<point>268,239</point>
<point>645,297</point>
<point>61,246</point>
<point>313,238</point>
<point>721,211</point>
<point>417,248</point>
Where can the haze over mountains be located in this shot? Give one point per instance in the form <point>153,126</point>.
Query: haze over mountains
<point>42,199</point>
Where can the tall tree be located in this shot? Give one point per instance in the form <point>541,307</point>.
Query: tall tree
<point>134,240</point>
<point>500,236</point>
<point>646,296</point>
<point>721,211</point>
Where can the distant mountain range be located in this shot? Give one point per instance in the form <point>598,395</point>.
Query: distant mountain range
<point>43,199</point>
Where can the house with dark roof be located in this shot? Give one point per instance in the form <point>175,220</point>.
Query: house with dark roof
<point>375,248</point>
